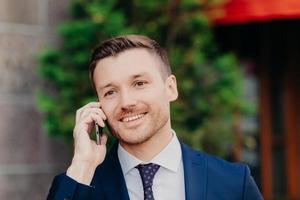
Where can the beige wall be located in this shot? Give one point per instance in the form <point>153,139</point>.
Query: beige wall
<point>28,159</point>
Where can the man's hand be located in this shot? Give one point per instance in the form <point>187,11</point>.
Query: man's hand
<point>87,154</point>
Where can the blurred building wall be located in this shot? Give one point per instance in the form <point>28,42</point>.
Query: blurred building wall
<point>271,51</point>
<point>28,158</point>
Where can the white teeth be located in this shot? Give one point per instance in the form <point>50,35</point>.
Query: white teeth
<point>128,119</point>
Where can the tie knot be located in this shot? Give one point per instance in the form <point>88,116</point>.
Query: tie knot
<point>147,172</point>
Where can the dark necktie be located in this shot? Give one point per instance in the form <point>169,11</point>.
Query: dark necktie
<point>147,173</point>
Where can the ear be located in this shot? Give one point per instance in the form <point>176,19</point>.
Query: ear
<point>171,88</point>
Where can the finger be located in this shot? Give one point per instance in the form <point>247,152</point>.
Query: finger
<point>95,104</point>
<point>97,111</point>
<point>89,111</point>
<point>89,105</point>
<point>87,125</point>
<point>92,118</point>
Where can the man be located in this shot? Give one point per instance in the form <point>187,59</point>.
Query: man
<point>132,78</point>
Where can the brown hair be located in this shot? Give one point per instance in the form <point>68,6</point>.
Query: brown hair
<point>113,46</point>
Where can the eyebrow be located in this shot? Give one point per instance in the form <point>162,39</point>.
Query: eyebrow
<point>138,76</point>
<point>131,78</point>
<point>106,86</point>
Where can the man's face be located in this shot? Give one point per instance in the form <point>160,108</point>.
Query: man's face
<point>134,95</point>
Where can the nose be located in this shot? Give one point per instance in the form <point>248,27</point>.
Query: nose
<point>127,100</point>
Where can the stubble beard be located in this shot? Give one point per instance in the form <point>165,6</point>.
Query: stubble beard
<point>152,128</point>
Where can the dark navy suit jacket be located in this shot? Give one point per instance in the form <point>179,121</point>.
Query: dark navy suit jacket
<point>206,178</point>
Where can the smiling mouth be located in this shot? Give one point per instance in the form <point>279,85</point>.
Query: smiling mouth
<point>133,117</point>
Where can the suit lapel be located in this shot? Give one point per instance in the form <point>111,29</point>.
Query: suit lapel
<point>112,179</point>
<point>114,186</point>
<point>195,174</point>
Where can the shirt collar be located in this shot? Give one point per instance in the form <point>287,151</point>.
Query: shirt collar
<point>169,157</point>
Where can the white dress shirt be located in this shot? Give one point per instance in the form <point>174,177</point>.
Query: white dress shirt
<point>168,182</point>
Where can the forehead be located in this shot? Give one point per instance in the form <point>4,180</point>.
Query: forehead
<point>128,63</point>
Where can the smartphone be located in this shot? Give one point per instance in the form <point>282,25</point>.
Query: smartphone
<point>99,133</point>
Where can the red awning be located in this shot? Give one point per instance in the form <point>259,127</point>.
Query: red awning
<point>244,11</point>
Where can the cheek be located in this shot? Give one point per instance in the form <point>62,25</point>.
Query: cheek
<point>157,92</point>
<point>153,99</point>
<point>159,101</point>
<point>108,108</point>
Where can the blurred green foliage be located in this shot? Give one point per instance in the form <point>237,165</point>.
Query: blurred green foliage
<point>209,82</point>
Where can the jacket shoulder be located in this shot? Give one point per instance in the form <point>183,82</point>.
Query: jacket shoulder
<point>217,165</point>
<point>223,168</point>
<point>220,170</point>
<point>220,176</point>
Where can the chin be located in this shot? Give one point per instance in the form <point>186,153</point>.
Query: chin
<point>141,132</point>
<point>134,137</point>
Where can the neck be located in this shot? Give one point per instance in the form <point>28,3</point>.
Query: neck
<point>147,150</point>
